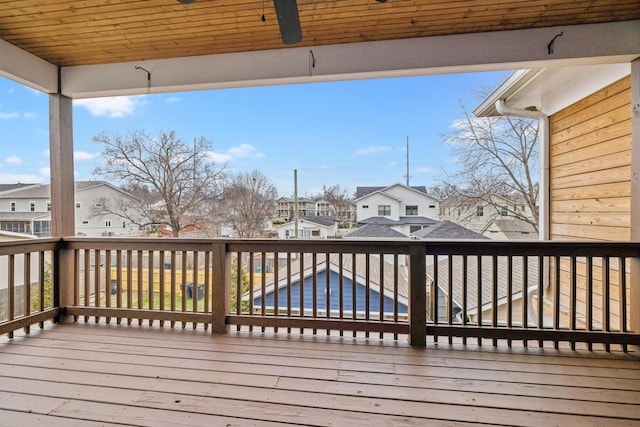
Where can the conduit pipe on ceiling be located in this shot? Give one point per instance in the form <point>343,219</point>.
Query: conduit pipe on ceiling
<point>543,193</point>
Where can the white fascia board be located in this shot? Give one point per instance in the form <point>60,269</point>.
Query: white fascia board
<point>21,66</point>
<point>551,89</point>
<point>504,50</point>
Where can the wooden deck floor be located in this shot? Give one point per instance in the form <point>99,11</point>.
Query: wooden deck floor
<point>89,375</point>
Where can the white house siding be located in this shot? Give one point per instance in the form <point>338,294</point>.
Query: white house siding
<point>398,197</point>
<point>107,225</point>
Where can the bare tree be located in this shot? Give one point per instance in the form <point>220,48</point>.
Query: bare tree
<point>497,156</point>
<point>171,180</point>
<point>249,202</point>
<point>340,201</point>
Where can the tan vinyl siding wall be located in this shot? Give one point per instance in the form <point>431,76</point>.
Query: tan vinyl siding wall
<point>590,164</point>
<point>590,167</point>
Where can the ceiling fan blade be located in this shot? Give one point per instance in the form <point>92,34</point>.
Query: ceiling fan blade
<point>289,21</point>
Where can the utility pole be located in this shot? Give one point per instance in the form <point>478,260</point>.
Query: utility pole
<point>295,200</point>
<point>407,175</point>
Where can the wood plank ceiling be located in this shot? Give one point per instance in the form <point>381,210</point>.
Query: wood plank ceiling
<point>81,32</point>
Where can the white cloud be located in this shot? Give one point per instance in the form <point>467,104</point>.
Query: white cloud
<point>241,151</point>
<point>245,150</point>
<point>114,107</point>
<point>8,178</point>
<point>373,150</point>
<point>173,99</point>
<point>30,115</point>
<point>13,160</point>
<point>219,157</point>
<point>46,153</point>
<point>83,155</point>
<point>9,116</point>
<point>45,172</point>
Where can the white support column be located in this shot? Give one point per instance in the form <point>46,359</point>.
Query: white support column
<point>61,155</point>
<point>634,283</point>
<point>62,195</point>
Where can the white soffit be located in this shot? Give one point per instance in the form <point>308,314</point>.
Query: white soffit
<point>552,89</point>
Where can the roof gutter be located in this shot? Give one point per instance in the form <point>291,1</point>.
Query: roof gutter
<point>543,132</point>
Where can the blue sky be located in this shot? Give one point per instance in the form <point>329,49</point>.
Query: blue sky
<point>351,133</point>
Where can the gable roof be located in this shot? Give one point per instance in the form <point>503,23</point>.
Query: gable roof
<point>9,187</point>
<point>361,273</point>
<point>514,228</point>
<point>375,231</point>
<point>319,220</point>
<point>365,191</point>
<point>487,278</point>
<point>34,191</point>
<point>447,230</point>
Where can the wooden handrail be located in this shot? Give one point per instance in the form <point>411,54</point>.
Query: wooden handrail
<point>190,280</point>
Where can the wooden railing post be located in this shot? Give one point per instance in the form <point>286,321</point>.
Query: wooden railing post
<point>63,282</point>
<point>417,295</point>
<point>221,288</point>
<point>634,283</point>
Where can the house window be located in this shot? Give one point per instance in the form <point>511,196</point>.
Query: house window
<point>32,206</point>
<point>365,206</point>
<point>384,210</point>
<point>414,228</point>
<point>13,206</point>
<point>78,205</point>
<point>107,223</point>
<point>480,210</point>
<point>48,206</point>
<point>432,206</point>
<point>412,210</point>
<point>124,224</point>
<point>504,210</point>
<point>98,205</point>
<point>85,221</point>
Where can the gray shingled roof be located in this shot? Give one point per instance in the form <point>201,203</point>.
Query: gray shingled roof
<point>321,220</point>
<point>487,278</point>
<point>7,187</point>
<point>375,231</point>
<point>363,191</point>
<point>30,191</point>
<point>419,220</point>
<point>447,230</point>
<point>379,220</point>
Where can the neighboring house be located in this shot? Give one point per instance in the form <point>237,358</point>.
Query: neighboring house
<point>89,197</point>
<point>307,207</point>
<point>590,161</point>
<point>509,229</point>
<point>407,209</point>
<point>285,208</point>
<point>309,227</point>
<point>27,209</point>
<point>477,214</point>
<point>364,278</point>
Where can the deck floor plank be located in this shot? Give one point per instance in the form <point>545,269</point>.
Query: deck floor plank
<point>98,373</point>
